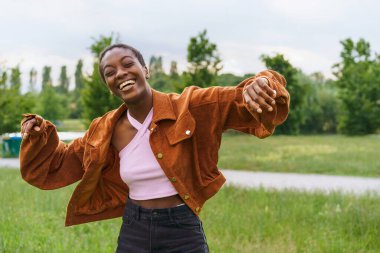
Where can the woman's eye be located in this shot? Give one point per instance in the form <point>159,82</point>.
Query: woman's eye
<point>108,74</point>
<point>127,65</point>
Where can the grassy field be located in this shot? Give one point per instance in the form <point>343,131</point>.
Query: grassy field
<point>71,125</point>
<point>333,154</point>
<point>235,220</point>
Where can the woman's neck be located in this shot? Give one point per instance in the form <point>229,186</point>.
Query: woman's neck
<point>140,110</point>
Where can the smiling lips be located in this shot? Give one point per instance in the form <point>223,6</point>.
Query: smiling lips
<point>126,85</point>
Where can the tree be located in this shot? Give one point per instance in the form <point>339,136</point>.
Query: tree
<point>155,65</point>
<point>52,105</point>
<point>63,82</point>
<point>15,79</point>
<point>75,103</point>
<point>12,103</point>
<point>96,98</point>
<point>32,80</point>
<point>174,79</point>
<point>173,70</point>
<point>228,79</point>
<point>204,62</point>
<point>3,79</point>
<point>159,80</point>
<point>79,83</point>
<point>297,93</point>
<point>46,77</point>
<point>321,104</point>
<point>358,85</point>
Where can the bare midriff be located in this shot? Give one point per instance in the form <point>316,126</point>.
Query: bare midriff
<point>165,202</point>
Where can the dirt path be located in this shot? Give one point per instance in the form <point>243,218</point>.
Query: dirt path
<point>302,182</point>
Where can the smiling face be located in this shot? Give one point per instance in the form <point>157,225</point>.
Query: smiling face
<point>124,75</point>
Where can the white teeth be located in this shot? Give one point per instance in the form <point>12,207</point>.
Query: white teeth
<point>125,84</point>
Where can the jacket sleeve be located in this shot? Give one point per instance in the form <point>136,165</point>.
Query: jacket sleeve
<point>235,113</point>
<point>48,163</point>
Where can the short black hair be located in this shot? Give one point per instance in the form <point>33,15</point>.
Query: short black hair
<point>136,52</point>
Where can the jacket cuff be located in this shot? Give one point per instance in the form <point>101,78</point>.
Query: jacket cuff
<point>277,82</point>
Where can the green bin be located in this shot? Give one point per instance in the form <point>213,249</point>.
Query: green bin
<point>11,146</point>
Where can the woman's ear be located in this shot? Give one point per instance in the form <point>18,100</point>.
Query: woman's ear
<point>147,74</point>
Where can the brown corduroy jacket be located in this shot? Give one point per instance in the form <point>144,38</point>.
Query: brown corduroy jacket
<point>185,136</point>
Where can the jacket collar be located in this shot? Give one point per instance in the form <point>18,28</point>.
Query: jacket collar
<point>102,133</point>
<point>162,107</point>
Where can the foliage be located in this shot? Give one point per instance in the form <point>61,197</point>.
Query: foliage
<point>175,78</point>
<point>297,93</point>
<point>46,77</point>
<point>79,83</point>
<point>63,81</point>
<point>321,104</point>
<point>228,79</point>
<point>32,80</point>
<point>96,98</point>
<point>75,103</point>
<point>12,103</point>
<point>358,84</point>
<point>159,80</point>
<point>204,62</point>
<point>15,78</point>
<point>51,104</point>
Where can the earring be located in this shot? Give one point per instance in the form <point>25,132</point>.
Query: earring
<point>147,77</point>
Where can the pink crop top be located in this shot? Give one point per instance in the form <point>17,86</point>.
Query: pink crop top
<point>139,168</point>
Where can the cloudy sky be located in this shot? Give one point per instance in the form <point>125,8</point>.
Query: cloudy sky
<point>35,33</point>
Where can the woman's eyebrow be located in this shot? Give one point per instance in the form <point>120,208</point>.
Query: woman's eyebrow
<point>122,58</point>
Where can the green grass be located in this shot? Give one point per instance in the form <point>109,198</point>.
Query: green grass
<point>235,220</point>
<point>72,125</point>
<point>333,154</point>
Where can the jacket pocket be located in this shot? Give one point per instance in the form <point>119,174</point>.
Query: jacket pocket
<point>182,129</point>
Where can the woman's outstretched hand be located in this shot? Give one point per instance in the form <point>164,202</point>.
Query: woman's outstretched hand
<point>259,96</point>
<point>28,124</point>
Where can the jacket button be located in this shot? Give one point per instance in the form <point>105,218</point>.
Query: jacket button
<point>186,196</point>
<point>197,209</point>
<point>173,179</point>
<point>160,155</point>
<point>187,132</point>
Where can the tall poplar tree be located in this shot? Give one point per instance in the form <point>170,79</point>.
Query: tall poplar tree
<point>15,79</point>
<point>63,81</point>
<point>32,80</point>
<point>46,77</point>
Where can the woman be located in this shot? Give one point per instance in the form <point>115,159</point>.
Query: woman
<point>154,159</point>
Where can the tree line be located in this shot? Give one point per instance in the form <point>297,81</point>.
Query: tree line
<point>350,104</point>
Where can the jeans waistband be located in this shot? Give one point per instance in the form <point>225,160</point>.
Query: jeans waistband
<point>157,213</point>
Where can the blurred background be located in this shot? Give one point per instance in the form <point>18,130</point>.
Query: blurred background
<point>328,52</point>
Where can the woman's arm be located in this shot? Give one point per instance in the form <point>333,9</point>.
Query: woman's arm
<point>45,161</point>
<point>249,107</point>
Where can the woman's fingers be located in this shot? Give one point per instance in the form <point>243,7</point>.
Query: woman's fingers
<point>253,106</point>
<point>264,83</point>
<point>27,126</point>
<point>263,89</point>
<point>260,92</point>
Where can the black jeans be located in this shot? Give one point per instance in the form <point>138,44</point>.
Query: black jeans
<point>169,230</point>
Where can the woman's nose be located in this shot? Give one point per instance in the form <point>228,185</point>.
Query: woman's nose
<point>121,73</point>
